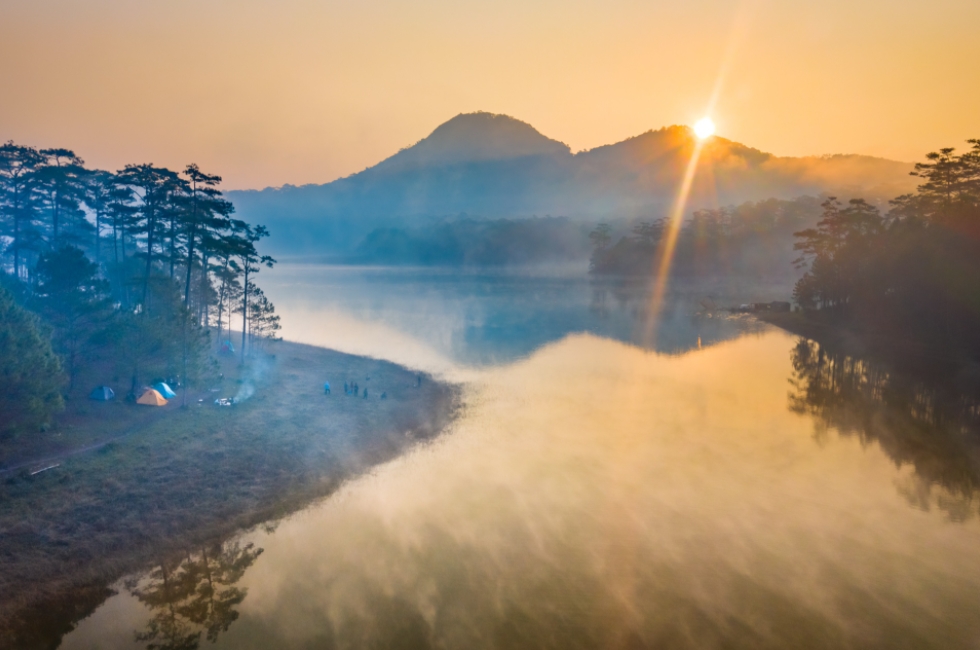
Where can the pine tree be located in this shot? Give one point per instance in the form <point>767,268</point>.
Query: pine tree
<point>30,373</point>
<point>206,215</point>
<point>62,184</point>
<point>72,297</point>
<point>153,186</point>
<point>18,199</point>
<point>242,242</point>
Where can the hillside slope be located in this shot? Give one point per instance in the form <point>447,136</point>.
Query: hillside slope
<point>486,165</point>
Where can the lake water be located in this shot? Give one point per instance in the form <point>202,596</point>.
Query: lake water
<point>616,479</point>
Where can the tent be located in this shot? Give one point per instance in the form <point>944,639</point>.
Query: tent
<point>164,390</point>
<point>227,348</point>
<point>151,398</point>
<point>102,394</point>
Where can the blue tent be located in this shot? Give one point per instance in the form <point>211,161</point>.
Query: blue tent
<point>164,390</point>
<point>227,348</point>
<point>102,394</point>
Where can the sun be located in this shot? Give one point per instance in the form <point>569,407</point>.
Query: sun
<point>704,128</point>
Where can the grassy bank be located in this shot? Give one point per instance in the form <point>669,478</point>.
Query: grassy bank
<point>172,477</point>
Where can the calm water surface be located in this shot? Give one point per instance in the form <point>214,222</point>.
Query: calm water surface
<point>604,487</point>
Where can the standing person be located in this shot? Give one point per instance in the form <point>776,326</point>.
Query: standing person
<point>326,388</point>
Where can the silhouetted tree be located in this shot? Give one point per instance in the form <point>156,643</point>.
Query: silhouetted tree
<point>153,186</point>
<point>250,262</point>
<point>62,184</point>
<point>18,199</point>
<point>206,216</point>
<point>836,251</point>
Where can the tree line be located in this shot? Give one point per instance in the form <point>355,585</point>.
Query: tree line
<point>145,267</point>
<point>910,274</point>
<point>751,239</point>
<point>477,242</point>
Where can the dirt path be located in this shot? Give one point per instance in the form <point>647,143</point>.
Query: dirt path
<point>133,428</point>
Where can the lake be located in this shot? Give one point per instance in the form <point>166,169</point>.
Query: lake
<point>618,477</point>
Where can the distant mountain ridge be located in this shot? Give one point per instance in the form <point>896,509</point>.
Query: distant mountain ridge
<point>488,165</point>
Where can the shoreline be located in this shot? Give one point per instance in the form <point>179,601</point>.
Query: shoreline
<point>902,353</point>
<point>195,475</point>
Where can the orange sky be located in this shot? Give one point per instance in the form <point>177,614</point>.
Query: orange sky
<point>304,91</point>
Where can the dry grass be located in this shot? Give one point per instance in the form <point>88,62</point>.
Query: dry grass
<point>187,476</point>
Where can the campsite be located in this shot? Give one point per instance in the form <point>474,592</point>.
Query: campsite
<point>154,480</point>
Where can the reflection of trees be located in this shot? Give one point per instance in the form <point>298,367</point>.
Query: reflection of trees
<point>194,595</point>
<point>934,428</point>
<point>599,304</point>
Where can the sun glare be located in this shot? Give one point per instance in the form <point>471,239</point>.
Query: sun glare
<point>704,128</point>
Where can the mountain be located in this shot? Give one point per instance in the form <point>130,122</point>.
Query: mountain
<point>493,166</point>
<point>474,138</point>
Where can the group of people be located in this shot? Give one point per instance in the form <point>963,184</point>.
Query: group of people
<point>352,388</point>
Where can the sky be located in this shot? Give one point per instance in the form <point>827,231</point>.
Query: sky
<point>268,92</point>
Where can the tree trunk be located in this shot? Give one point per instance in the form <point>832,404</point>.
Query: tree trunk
<point>151,226</point>
<point>54,219</point>
<point>190,265</point>
<point>173,245</point>
<point>244,311</point>
<point>17,244</point>
<point>98,236</point>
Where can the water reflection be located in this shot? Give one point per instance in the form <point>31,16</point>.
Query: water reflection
<point>193,596</point>
<point>935,428</point>
<point>599,495</point>
<point>439,320</point>
<point>597,492</point>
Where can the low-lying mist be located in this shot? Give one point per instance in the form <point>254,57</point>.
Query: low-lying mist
<point>598,495</point>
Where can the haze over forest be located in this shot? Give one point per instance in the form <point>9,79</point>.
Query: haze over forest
<point>487,166</point>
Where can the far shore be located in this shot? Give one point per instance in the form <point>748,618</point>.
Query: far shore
<point>150,482</point>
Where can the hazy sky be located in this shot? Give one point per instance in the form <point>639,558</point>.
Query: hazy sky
<point>300,91</point>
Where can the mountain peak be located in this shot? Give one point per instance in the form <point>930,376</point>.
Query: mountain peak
<point>476,137</point>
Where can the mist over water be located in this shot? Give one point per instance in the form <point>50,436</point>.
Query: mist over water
<point>452,319</point>
<point>596,493</point>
